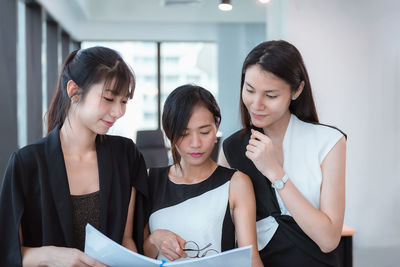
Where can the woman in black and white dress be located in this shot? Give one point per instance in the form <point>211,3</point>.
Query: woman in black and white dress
<point>297,165</point>
<point>195,202</point>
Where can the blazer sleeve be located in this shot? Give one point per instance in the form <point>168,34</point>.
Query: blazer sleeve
<point>140,183</point>
<point>11,210</point>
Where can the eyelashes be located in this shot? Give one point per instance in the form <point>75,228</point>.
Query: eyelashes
<point>111,100</point>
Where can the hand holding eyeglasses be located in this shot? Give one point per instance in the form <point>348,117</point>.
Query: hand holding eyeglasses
<point>169,244</point>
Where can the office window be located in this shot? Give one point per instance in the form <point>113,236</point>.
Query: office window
<point>188,62</point>
<point>180,63</point>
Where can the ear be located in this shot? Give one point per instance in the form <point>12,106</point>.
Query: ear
<point>298,91</point>
<point>73,90</point>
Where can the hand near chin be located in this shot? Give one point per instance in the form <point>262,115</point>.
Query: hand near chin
<point>169,244</point>
<point>261,151</point>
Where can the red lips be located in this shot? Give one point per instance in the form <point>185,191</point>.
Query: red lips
<point>258,117</point>
<point>108,123</point>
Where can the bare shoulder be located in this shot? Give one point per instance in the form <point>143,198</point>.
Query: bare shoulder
<point>241,192</point>
<point>240,179</point>
<point>337,152</point>
<point>342,142</point>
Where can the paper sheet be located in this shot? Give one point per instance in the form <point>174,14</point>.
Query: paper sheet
<point>105,250</point>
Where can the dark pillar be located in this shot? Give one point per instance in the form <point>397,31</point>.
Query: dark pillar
<point>8,82</point>
<point>52,58</point>
<point>65,39</point>
<point>34,71</point>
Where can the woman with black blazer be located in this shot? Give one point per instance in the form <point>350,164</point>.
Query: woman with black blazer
<point>76,174</point>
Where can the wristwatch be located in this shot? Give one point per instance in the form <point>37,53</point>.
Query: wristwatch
<point>280,183</point>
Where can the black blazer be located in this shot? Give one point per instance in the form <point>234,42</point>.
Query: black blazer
<point>35,194</point>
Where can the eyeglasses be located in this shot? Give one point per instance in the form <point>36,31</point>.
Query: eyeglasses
<point>193,250</point>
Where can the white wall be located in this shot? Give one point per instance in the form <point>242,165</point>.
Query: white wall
<point>352,51</point>
<point>234,42</point>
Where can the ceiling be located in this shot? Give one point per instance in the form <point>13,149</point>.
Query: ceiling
<point>149,19</point>
<point>199,11</point>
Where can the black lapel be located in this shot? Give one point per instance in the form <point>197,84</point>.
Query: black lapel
<point>58,181</point>
<point>104,162</point>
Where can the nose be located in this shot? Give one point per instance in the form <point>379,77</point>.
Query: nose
<point>195,140</point>
<point>117,110</point>
<point>258,102</point>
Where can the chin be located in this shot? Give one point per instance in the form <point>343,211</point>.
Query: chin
<point>259,124</point>
<point>101,130</point>
<point>196,162</point>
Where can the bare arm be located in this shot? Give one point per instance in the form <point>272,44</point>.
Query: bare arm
<point>322,226</point>
<point>150,250</point>
<point>127,240</point>
<point>243,205</point>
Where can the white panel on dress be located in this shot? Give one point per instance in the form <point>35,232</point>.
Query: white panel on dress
<point>198,219</point>
<point>305,145</point>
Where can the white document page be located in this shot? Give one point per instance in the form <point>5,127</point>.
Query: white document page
<point>105,250</point>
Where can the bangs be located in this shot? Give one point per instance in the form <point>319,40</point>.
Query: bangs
<point>119,79</point>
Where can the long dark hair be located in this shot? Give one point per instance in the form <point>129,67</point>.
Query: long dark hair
<point>87,67</point>
<point>284,61</point>
<point>178,108</point>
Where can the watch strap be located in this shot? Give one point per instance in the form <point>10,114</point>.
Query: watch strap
<point>280,183</point>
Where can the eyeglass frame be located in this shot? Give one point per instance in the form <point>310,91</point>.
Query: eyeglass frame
<point>198,250</point>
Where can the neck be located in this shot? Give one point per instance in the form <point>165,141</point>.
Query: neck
<point>76,139</point>
<point>277,130</point>
<point>195,173</point>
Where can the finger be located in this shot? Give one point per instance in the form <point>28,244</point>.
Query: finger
<point>258,135</point>
<point>256,143</point>
<point>252,149</point>
<point>249,155</point>
<point>181,243</point>
<point>89,261</point>
<point>170,248</point>
<point>171,254</point>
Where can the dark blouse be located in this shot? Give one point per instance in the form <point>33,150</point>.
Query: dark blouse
<point>85,209</point>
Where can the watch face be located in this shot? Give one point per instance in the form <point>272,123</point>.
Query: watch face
<point>278,184</point>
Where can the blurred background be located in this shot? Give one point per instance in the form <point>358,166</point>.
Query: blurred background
<point>350,47</point>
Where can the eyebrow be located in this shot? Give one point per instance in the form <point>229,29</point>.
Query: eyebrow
<point>109,90</point>
<point>266,91</point>
<point>205,126</point>
<point>202,127</point>
<point>113,92</point>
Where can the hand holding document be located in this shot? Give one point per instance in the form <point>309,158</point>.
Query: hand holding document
<point>105,250</point>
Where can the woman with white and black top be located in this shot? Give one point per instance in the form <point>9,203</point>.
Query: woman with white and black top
<point>195,203</point>
<point>297,165</point>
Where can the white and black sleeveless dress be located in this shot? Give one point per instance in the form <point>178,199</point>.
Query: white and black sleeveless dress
<point>281,241</point>
<point>196,212</point>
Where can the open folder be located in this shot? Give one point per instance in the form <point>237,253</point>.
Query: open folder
<point>110,253</point>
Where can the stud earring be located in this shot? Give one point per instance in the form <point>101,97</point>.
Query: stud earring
<point>294,97</point>
<point>73,99</point>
